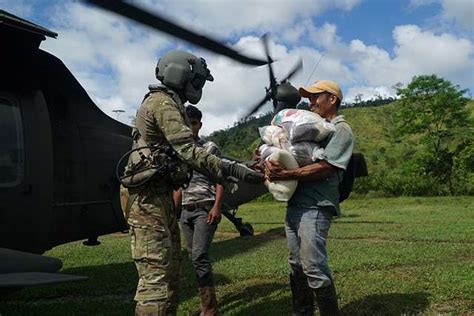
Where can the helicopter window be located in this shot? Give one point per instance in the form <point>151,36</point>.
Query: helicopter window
<point>11,148</point>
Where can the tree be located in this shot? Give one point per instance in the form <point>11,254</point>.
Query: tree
<point>358,99</point>
<point>435,110</point>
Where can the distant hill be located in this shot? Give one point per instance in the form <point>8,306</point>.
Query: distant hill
<point>240,140</point>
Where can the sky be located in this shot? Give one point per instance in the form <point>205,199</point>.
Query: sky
<point>367,46</point>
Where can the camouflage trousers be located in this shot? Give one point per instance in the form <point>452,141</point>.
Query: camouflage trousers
<point>155,242</point>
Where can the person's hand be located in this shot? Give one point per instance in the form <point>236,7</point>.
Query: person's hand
<point>214,216</point>
<point>258,160</point>
<point>276,171</point>
<point>254,165</point>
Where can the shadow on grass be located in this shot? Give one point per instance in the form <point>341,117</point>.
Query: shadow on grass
<point>236,246</point>
<point>388,304</point>
<point>122,277</point>
<point>344,215</point>
<point>188,285</point>
<point>108,284</point>
<point>364,222</point>
<point>117,282</point>
<point>261,299</point>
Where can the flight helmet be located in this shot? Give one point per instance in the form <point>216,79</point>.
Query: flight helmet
<point>185,73</point>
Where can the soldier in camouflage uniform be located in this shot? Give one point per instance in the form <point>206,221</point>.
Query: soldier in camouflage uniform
<point>201,212</point>
<point>161,122</point>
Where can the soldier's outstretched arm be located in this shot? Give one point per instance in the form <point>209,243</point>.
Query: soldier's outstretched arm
<point>179,136</point>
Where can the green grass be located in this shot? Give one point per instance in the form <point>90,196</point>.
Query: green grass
<point>399,256</point>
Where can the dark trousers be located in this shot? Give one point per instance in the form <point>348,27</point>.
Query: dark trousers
<point>198,236</point>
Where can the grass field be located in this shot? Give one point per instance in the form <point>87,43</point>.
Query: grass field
<point>399,256</point>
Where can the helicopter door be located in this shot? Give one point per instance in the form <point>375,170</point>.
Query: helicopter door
<point>25,171</point>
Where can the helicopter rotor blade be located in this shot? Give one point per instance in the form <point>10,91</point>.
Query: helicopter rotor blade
<point>295,69</point>
<point>257,106</point>
<point>273,82</point>
<point>159,23</point>
<point>269,60</point>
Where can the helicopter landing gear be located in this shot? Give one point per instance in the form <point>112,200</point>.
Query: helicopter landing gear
<point>91,241</point>
<point>245,229</point>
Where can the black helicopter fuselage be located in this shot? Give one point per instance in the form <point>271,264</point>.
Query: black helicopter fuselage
<point>58,150</point>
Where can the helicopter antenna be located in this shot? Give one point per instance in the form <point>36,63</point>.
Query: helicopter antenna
<point>314,69</point>
<point>118,113</point>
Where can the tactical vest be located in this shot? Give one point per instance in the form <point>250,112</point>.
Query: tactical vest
<point>155,163</point>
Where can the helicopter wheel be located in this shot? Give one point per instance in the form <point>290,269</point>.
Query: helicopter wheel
<point>92,241</point>
<point>246,230</point>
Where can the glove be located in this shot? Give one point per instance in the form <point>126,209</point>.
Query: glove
<point>230,185</point>
<point>250,164</point>
<point>240,171</point>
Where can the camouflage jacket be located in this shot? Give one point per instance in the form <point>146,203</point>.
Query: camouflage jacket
<point>161,120</point>
<point>201,188</point>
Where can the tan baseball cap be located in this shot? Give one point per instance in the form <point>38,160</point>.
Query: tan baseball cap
<point>321,86</point>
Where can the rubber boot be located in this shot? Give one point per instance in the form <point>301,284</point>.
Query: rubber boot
<point>208,301</point>
<point>326,299</point>
<point>301,296</point>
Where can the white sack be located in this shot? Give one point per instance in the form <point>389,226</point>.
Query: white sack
<point>266,150</point>
<point>302,125</point>
<point>274,136</point>
<point>282,190</point>
<point>306,153</point>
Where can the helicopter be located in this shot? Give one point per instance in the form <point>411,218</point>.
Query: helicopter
<point>282,94</point>
<point>59,151</point>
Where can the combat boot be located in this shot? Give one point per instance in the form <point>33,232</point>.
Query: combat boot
<point>208,301</point>
<point>302,296</point>
<point>326,298</point>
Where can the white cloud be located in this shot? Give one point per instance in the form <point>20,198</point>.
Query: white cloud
<point>416,52</point>
<point>423,52</point>
<point>96,45</point>
<point>461,11</point>
<point>115,60</point>
<point>368,93</point>
<point>235,18</point>
<point>372,64</point>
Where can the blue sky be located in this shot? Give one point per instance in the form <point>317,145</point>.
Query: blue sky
<point>365,45</point>
<point>373,21</point>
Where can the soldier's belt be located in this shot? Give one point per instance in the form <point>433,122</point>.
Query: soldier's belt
<point>195,205</point>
